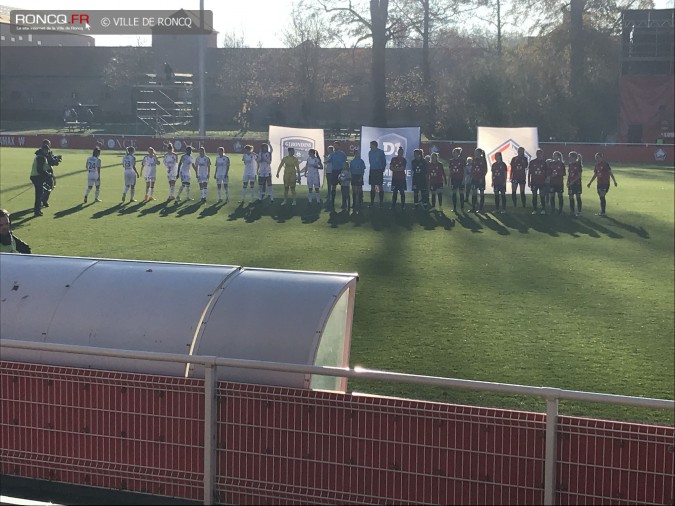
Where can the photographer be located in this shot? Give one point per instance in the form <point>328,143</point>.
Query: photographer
<point>49,181</point>
<point>38,176</point>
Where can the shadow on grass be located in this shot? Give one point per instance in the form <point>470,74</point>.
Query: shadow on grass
<point>20,217</point>
<point>210,210</point>
<point>130,208</point>
<point>71,210</point>
<point>493,224</point>
<point>596,225</point>
<point>156,208</point>
<point>186,209</point>
<point>468,223</point>
<point>107,211</point>
<point>639,231</point>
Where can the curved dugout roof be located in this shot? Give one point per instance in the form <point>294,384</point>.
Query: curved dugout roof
<point>227,311</point>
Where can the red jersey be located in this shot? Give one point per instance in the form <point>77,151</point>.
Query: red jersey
<point>478,169</point>
<point>574,174</point>
<point>556,172</point>
<point>436,174</point>
<point>397,167</point>
<point>456,167</point>
<point>538,171</point>
<point>602,171</point>
<point>518,167</point>
<point>499,173</point>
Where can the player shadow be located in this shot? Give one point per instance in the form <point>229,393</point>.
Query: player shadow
<point>358,219</point>
<point>71,210</point>
<point>596,225</point>
<point>444,220</point>
<point>467,222</point>
<point>281,214</point>
<point>379,218</point>
<point>639,231</point>
<point>130,208</point>
<point>544,224</point>
<point>426,219</point>
<point>402,218</point>
<point>157,208</point>
<point>338,218</point>
<point>493,224</point>
<point>513,221</point>
<point>312,214</point>
<point>188,209</point>
<point>210,210</point>
<point>169,209</point>
<point>107,211</point>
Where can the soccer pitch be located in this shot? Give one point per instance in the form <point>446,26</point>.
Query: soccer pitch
<point>577,303</point>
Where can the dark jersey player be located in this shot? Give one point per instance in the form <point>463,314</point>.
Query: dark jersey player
<point>397,165</point>
<point>437,179</point>
<point>478,173</point>
<point>519,176</point>
<point>420,182</point>
<point>536,180</point>
<point>556,180</point>
<point>574,185</point>
<point>499,183</point>
<point>602,172</point>
<point>456,169</point>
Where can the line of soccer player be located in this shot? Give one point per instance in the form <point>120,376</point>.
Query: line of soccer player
<point>467,177</point>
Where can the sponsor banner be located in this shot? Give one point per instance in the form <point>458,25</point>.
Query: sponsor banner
<point>302,140</point>
<point>506,141</point>
<point>389,140</point>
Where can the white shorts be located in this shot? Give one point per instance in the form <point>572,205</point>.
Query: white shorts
<point>185,177</point>
<point>172,174</point>
<point>92,179</point>
<point>313,180</point>
<point>264,171</point>
<point>249,175</point>
<point>129,178</point>
<point>222,179</point>
<point>201,178</point>
<point>150,175</point>
<point>150,179</point>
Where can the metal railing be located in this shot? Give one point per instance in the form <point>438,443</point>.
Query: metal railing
<point>210,363</point>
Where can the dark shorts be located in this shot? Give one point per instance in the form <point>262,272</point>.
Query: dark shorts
<point>401,185</point>
<point>457,184</point>
<point>555,188</point>
<point>500,188</point>
<point>574,188</point>
<point>332,178</point>
<point>478,185</point>
<point>433,187</point>
<point>603,188</point>
<point>357,179</point>
<point>538,188</point>
<point>518,181</point>
<point>376,177</point>
<point>419,183</point>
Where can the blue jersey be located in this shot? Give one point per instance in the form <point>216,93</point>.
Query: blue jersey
<point>338,159</point>
<point>357,167</point>
<point>376,159</point>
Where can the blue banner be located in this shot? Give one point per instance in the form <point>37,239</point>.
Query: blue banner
<point>389,140</point>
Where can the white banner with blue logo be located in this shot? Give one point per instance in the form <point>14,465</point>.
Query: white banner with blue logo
<point>302,140</point>
<point>506,141</point>
<point>389,140</point>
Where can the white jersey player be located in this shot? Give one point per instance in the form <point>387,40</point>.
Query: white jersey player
<point>130,174</point>
<point>185,163</point>
<point>93,166</point>
<point>249,158</point>
<point>222,175</point>
<point>171,164</point>
<point>149,170</point>
<point>265,172</point>
<point>203,164</point>
<point>312,168</point>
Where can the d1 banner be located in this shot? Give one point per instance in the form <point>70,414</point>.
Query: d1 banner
<point>389,140</point>
<point>506,141</point>
<point>302,140</point>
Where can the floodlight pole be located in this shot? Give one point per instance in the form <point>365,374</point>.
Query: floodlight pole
<point>202,40</point>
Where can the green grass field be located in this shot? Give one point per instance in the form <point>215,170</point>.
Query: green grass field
<point>577,303</point>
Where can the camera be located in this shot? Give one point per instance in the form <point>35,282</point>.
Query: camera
<point>57,159</point>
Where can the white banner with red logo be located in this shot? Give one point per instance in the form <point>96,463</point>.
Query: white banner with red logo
<point>302,140</point>
<point>506,141</point>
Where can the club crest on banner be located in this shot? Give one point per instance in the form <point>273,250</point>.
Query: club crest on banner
<point>302,145</point>
<point>508,149</point>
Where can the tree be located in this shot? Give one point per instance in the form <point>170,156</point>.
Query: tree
<point>376,27</point>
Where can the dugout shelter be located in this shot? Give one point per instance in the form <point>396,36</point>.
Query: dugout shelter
<point>293,317</point>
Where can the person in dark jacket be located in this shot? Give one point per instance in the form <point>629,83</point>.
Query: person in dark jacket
<point>9,243</point>
<point>38,176</point>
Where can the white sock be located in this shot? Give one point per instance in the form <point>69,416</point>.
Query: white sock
<point>171,190</point>
<point>243,194</point>
<point>310,195</point>
<point>271,193</point>
<point>180,190</point>
<point>220,193</point>
<point>97,193</point>
<point>227,193</point>
<point>187,192</point>
<point>131,193</point>
<point>152,190</point>
<point>261,193</point>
